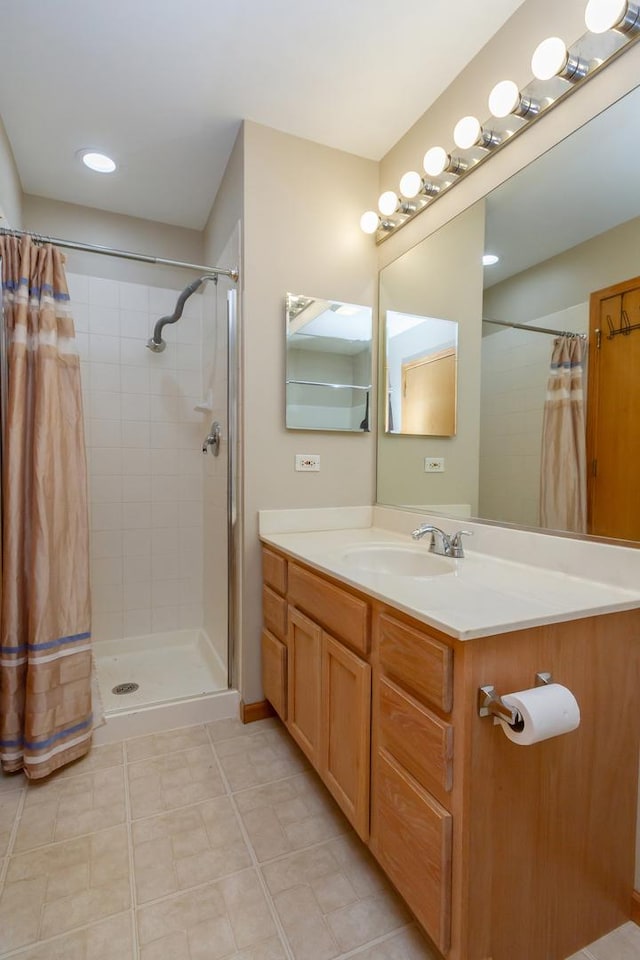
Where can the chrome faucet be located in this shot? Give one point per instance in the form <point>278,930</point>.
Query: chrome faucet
<point>441,543</point>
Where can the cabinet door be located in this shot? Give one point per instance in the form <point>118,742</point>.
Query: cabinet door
<point>274,673</point>
<point>304,651</point>
<point>346,725</point>
<point>411,837</point>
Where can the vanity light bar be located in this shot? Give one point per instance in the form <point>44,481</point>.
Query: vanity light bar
<point>513,110</point>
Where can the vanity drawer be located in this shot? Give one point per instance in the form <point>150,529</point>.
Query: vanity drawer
<point>274,612</point>
<point>274,570</point>
<point>339,612</point>
<point>415,737</point>
<point>416,661</point>
<point>412,840</point>
<point>274,673</point>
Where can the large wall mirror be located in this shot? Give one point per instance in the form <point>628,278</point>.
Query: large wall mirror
<point>328,364</point>
<point>566,231</point>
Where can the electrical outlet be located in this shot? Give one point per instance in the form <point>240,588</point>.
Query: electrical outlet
<point>308,461</point>
<point>434,464</point>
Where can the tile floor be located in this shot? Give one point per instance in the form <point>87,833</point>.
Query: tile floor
<point>204,843</point>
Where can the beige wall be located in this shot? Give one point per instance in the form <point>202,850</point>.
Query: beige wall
<point>227,209</point>
<point>301,232</point>
<point>10,187</point>
<point>70,221</point>
<point>425,282</point>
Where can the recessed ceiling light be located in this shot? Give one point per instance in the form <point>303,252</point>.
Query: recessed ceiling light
<point>99,162</point>
<point>489,259</point>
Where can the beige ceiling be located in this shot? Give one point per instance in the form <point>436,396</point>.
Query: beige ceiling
<point>162,85</point>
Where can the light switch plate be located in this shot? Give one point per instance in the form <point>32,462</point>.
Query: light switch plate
<point>434,464</point>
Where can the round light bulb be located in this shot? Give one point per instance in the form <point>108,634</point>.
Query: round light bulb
<point>504,99</point>
<point>489,259</point>
<point>467,132</point>
<point>436,161</point>
<point>387,203</point>
<point>99,162</point>
<point>549,58</point>
<point>603,15</point>
<point>369,221</point>
<point>410,184</point>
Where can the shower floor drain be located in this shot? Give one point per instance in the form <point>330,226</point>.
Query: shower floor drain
<point>125,688</point>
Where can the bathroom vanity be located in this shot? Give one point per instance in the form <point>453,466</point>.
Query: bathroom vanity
<point>500,850</point>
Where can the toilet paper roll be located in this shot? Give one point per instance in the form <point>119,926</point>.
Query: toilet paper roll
<point>546,712</point>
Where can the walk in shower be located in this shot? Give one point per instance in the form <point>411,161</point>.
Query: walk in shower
<point>161,508</point>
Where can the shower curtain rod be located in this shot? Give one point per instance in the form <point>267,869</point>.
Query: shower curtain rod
<point>525,326</point>
<point>122,254</point>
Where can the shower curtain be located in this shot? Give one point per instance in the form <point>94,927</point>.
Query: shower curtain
<point>45,654</point>
<point>563,479</point>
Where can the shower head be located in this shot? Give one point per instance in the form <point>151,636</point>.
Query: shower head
<point>155,343</point>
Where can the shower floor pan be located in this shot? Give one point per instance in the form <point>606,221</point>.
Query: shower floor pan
<point>178,678</point>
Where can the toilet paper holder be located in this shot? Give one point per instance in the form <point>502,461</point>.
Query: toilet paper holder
<point>492,705</point>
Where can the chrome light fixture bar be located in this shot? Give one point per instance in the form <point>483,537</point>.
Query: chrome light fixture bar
<point>612,27</point>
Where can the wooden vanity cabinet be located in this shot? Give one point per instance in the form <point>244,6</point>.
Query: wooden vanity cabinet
<point>346,726</point>
<point>304,643</point>
<point>500,850</point>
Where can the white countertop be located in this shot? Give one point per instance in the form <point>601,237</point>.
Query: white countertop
<point>483,595</point>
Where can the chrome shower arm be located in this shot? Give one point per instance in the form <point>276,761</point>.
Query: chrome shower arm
<point>155,342</point>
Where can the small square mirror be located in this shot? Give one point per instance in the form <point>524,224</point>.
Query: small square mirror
<point>328,364</point>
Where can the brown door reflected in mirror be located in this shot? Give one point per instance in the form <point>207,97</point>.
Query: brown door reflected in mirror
<point>613,412</point>
<point>429,395</point>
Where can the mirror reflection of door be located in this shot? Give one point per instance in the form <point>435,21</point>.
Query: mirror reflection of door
<point>613,412</point>
<point>429,394</point>
<point>421,373</point>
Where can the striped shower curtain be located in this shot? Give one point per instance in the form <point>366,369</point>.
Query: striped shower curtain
<point>563,475</point>
<point>45,654</point>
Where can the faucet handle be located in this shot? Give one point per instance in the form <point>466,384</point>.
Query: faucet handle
<point>456,542</point>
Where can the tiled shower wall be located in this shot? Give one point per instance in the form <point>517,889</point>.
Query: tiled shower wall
<point>144,455</point>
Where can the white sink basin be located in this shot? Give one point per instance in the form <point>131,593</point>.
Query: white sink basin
<point>397,561</point>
